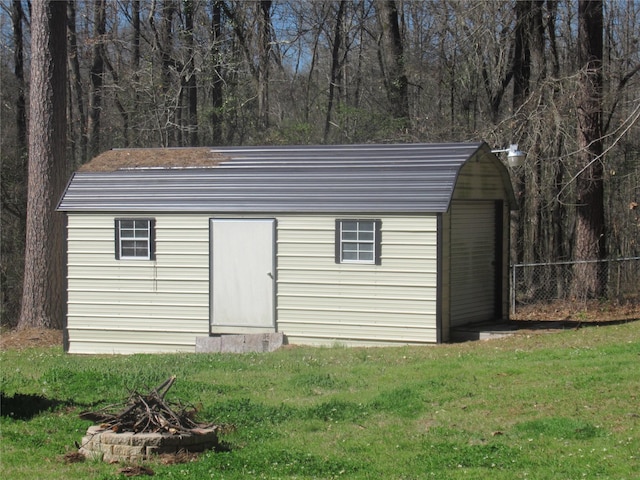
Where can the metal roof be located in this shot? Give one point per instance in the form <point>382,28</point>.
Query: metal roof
<point>314,179</point>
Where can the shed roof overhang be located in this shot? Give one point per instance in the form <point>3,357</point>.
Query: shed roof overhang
<point>387,178</point>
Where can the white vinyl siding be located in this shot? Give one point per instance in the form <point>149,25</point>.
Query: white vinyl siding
<point>162,304</point>
<point>126,307</point>
<point>323,302</point>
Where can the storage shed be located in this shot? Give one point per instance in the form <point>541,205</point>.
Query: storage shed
<point>351,244</point>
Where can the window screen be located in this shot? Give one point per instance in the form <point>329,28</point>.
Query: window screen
<point>135,238</point>
<point>358,241</point>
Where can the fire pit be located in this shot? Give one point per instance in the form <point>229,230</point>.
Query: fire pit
<point>109,446</point>
<point>146,425</point>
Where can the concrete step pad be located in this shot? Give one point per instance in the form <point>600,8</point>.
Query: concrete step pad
<point>246,343</point>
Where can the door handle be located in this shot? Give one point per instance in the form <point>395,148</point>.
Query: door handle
<point>270,275</point>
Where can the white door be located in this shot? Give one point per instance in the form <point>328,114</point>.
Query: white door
<point>242,275</point>
<point>473,262</point>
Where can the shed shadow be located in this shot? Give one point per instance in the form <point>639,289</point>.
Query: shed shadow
<point>498,329</point>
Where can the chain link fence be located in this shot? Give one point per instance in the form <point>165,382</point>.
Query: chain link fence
<point>617,280</point>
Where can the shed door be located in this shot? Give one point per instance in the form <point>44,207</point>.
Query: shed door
<point>242,275</point>
<point>474,283</point>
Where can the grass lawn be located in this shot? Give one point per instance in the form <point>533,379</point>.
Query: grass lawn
<point>544,406</point>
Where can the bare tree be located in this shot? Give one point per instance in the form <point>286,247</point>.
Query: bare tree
<point>43,291</point>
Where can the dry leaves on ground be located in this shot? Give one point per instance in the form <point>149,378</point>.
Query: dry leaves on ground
<point>18,339</point>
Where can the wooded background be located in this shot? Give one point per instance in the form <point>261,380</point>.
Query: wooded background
<point>560,78</point>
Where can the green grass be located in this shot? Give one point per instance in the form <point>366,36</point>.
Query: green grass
<point>556,406</point>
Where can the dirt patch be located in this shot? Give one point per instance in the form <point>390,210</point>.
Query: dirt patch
<point>73,457</point>
<point>131,158</point>
<point>30,337</point>
<point>591,311</point>
<point>135,471</point>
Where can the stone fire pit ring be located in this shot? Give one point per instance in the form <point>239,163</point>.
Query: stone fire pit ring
<point>109,446</point>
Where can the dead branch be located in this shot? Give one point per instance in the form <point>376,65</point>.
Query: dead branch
<point>148,413</point>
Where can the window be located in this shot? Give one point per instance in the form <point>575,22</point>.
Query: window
<point>135,238</point>
<point>358,241</point>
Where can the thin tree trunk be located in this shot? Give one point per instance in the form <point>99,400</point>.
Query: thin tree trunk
<point>522,53</point>
<point>121,109</point>
<point>312,69</point>
<point>76,81</point>
<point>190,84</point>
<point>96,74</point>
<point>217,83</point>
<point>552,13</point>
<point>166,51</point>
<point>43,292</point>
<point>335,67</point>
<point>538,75</point>
<point>135,57</point>
<point>18,69</point>
<point>264,51</point>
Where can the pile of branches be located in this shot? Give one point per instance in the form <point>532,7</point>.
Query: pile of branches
<point>148,413</point>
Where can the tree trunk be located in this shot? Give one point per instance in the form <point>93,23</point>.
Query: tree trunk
<point>18,69</point>
<point>13,183</point>
<point>335,67</point>
<point>96,74</point>
<point>522,53</point>
<point>552,14</point>
<point>217,84</point>
<point>76,83</point>
<point>124,115</point>
<point>264,51</point>
<point>393,61</point>
<point>589,280</point>
<point>190,84</point>
<point>166,52</point>
<point>528,67</point>
<point>135,58</point>
<point>43,296</point>
<point>521,75</point>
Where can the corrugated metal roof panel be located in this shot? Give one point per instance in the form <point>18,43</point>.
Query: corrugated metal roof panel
<point>344,178</point>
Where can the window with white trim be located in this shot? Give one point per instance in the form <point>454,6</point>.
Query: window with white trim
<point>358,241</point>
<point>135,238</point>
